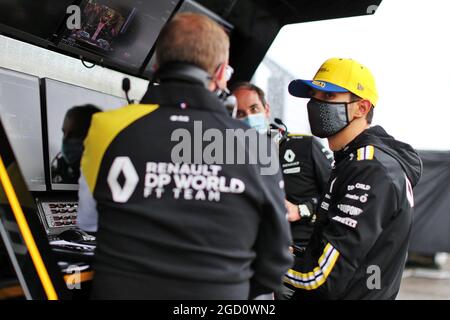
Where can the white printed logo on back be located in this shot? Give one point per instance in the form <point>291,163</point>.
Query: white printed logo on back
<point>198,182</point>
<point>122,165</point>
<point>176,118</point>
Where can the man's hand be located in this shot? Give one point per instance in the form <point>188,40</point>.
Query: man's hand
<point>293,211</point>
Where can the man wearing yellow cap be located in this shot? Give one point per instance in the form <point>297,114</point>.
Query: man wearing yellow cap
<point>359,246</point>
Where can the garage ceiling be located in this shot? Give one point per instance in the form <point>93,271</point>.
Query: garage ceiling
<point>257,23</point>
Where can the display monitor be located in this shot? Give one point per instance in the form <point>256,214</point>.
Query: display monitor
<point>118,33</point>
<point>69,109</point>
<point>40,18</point>
<point>194,7</point>
<point>20,112</point>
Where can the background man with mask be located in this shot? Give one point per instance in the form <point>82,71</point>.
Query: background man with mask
<point>65,167</point>
<point>358,249</point>
<point>305,163</point>
<point>163,232</point>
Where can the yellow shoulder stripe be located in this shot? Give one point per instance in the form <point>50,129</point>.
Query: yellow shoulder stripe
<point>366,153</point>
<point>298,135</point>
<point>105,127</point>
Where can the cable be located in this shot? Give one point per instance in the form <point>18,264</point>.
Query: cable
<point>84,64</point>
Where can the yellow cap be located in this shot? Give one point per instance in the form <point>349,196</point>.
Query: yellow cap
<point>339,75</point>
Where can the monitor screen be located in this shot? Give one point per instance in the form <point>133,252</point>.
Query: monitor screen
<point>20,112</point>
<point>117,32</point>
<point>191,6</point>
<point>69,110</point>
<point>40,18</point>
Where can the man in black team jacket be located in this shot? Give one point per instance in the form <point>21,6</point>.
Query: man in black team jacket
<point>306,166</point>
<point>176,230</point>
<point>358,249</point>
<point>305,163</point>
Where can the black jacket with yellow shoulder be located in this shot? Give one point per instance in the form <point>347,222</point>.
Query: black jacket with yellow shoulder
<point>176,230</point>
<point>359,246</point>
<point>306,167</point>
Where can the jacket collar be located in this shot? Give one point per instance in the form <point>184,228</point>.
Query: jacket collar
<point>363,139</point>
<point>184,95</point>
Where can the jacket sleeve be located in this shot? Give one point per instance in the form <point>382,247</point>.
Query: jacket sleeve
<point>273,240</point>
<point>322,159</point>
<point>364,200</point>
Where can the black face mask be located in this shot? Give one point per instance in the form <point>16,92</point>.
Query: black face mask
<point>72,150</point>
<point>327,118</point>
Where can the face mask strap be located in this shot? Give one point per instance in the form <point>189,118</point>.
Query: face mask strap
<point>334,102</point>
<point>346,109</point>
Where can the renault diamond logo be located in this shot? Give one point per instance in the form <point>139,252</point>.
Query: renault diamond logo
<point>122,165</point>
<point>289,155</point>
